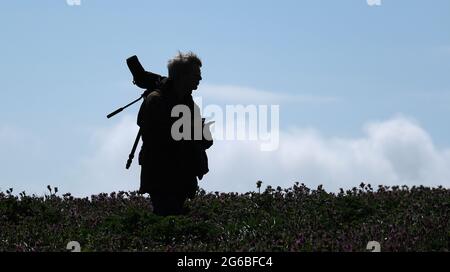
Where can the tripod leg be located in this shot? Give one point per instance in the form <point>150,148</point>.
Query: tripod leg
<point>133,150</point>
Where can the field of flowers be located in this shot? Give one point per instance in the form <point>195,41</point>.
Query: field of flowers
<point>273,219</point>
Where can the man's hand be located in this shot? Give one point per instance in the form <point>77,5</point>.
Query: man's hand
<point>207,130</point>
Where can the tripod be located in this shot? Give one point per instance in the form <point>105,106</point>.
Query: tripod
<point>138,136</point>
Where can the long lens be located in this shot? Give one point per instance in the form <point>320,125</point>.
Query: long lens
<point>141,78</point>
<point>135,66</point>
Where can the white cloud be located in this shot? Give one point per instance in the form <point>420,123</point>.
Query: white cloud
<point>30,162</point>
<point>20,149</point>
<point>229,94</point>
<point>392,152</point>
<point>104,170</point>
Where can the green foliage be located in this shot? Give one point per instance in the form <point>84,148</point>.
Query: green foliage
<point>293,219</point>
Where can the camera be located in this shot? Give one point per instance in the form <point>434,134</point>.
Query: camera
<point>141,78</point>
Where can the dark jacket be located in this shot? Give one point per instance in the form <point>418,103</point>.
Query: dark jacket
<point>168,164</point>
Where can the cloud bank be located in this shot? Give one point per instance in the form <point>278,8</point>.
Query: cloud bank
<point>395,151</point>
<point>230,94</point>
<point>391,152</point>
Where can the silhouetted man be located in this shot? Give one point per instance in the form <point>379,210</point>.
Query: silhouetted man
<point>170,167</point>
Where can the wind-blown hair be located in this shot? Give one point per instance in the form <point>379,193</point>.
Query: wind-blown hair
<point>183,63</point>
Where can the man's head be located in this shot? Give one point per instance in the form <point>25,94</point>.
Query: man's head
<point>184,70</point>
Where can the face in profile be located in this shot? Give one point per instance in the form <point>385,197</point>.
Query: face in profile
<point>193,79</point>
<point>189,81</point>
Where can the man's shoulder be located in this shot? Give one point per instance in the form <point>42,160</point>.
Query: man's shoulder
<point>154,97</point>
<point>156,102</point>
<point>155,93</point>
<point>162,93</point>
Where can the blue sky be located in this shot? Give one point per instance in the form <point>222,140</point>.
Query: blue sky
<point>63,69</point>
